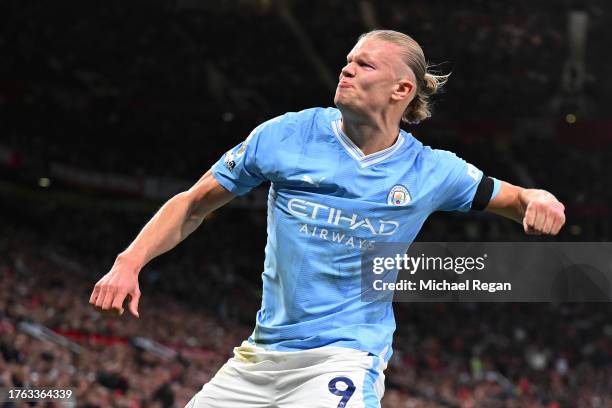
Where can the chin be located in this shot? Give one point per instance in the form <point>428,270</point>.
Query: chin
<point>341,102</point>
<point>337,99</point>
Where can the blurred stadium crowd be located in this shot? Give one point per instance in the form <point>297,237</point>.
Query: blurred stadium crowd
<point>156,91</point>
<point>446,355</point>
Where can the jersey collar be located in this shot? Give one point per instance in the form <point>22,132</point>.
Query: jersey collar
<point>355,152</point>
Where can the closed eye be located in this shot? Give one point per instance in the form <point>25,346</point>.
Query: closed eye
<point>364,64</point>
<point>361,63</point>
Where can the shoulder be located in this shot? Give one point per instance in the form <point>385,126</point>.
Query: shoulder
<point>438,159</point>
<point>292,119</point>
<point>294,125</point>
<point>425,157</point>
<point>436,164</point>
<point>449,166</point>
<point>302,117</point>
<point>444,157</point>
<point>317,113</point>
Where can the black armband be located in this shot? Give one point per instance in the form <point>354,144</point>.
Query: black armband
<point>483,194</point>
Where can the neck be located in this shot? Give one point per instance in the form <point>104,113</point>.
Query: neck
<point>370,135</point>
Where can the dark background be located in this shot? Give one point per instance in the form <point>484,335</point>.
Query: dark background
<point>109,108</point>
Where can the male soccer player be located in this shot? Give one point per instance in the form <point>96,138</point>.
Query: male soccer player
<point>342,181</point>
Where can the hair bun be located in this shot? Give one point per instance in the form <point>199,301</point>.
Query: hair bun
<point>433,82</point>
<point>419,109</point>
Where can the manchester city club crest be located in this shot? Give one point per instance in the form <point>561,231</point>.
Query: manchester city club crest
<point>398,195</point>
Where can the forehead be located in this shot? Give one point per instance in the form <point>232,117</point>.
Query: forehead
<point>374,48</point>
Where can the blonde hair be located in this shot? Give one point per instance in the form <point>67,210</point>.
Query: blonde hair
<point>428,83</point>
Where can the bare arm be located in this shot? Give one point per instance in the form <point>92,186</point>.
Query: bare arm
<point>175,220</point>
<point>538,210</point>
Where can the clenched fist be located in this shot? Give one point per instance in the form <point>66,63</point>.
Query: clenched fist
<point>119,283</point>
<point>544,214</point>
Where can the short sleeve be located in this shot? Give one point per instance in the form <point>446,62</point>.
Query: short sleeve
<point>458,181</point>
<point>247,165</point>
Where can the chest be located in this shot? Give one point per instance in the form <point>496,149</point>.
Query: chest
<point>382,186</point>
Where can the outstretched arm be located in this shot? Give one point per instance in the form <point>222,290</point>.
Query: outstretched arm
<point>175,220</point>
<point>538,210</point>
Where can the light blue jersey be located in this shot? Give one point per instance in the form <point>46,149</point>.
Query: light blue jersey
<point>327,203</point>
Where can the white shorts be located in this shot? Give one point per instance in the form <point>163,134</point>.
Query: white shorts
<point>327,377</point>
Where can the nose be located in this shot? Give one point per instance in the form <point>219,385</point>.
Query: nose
<point>347,71</point>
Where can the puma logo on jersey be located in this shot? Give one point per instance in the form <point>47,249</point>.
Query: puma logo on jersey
<point>309,180</point>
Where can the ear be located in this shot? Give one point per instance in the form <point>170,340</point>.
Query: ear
<point>404,90</point>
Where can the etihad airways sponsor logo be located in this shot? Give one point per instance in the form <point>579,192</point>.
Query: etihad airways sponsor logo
<point>334,217</point>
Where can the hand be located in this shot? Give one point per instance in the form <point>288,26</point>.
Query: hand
<point>544,214</point>
<point>119,283</point>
